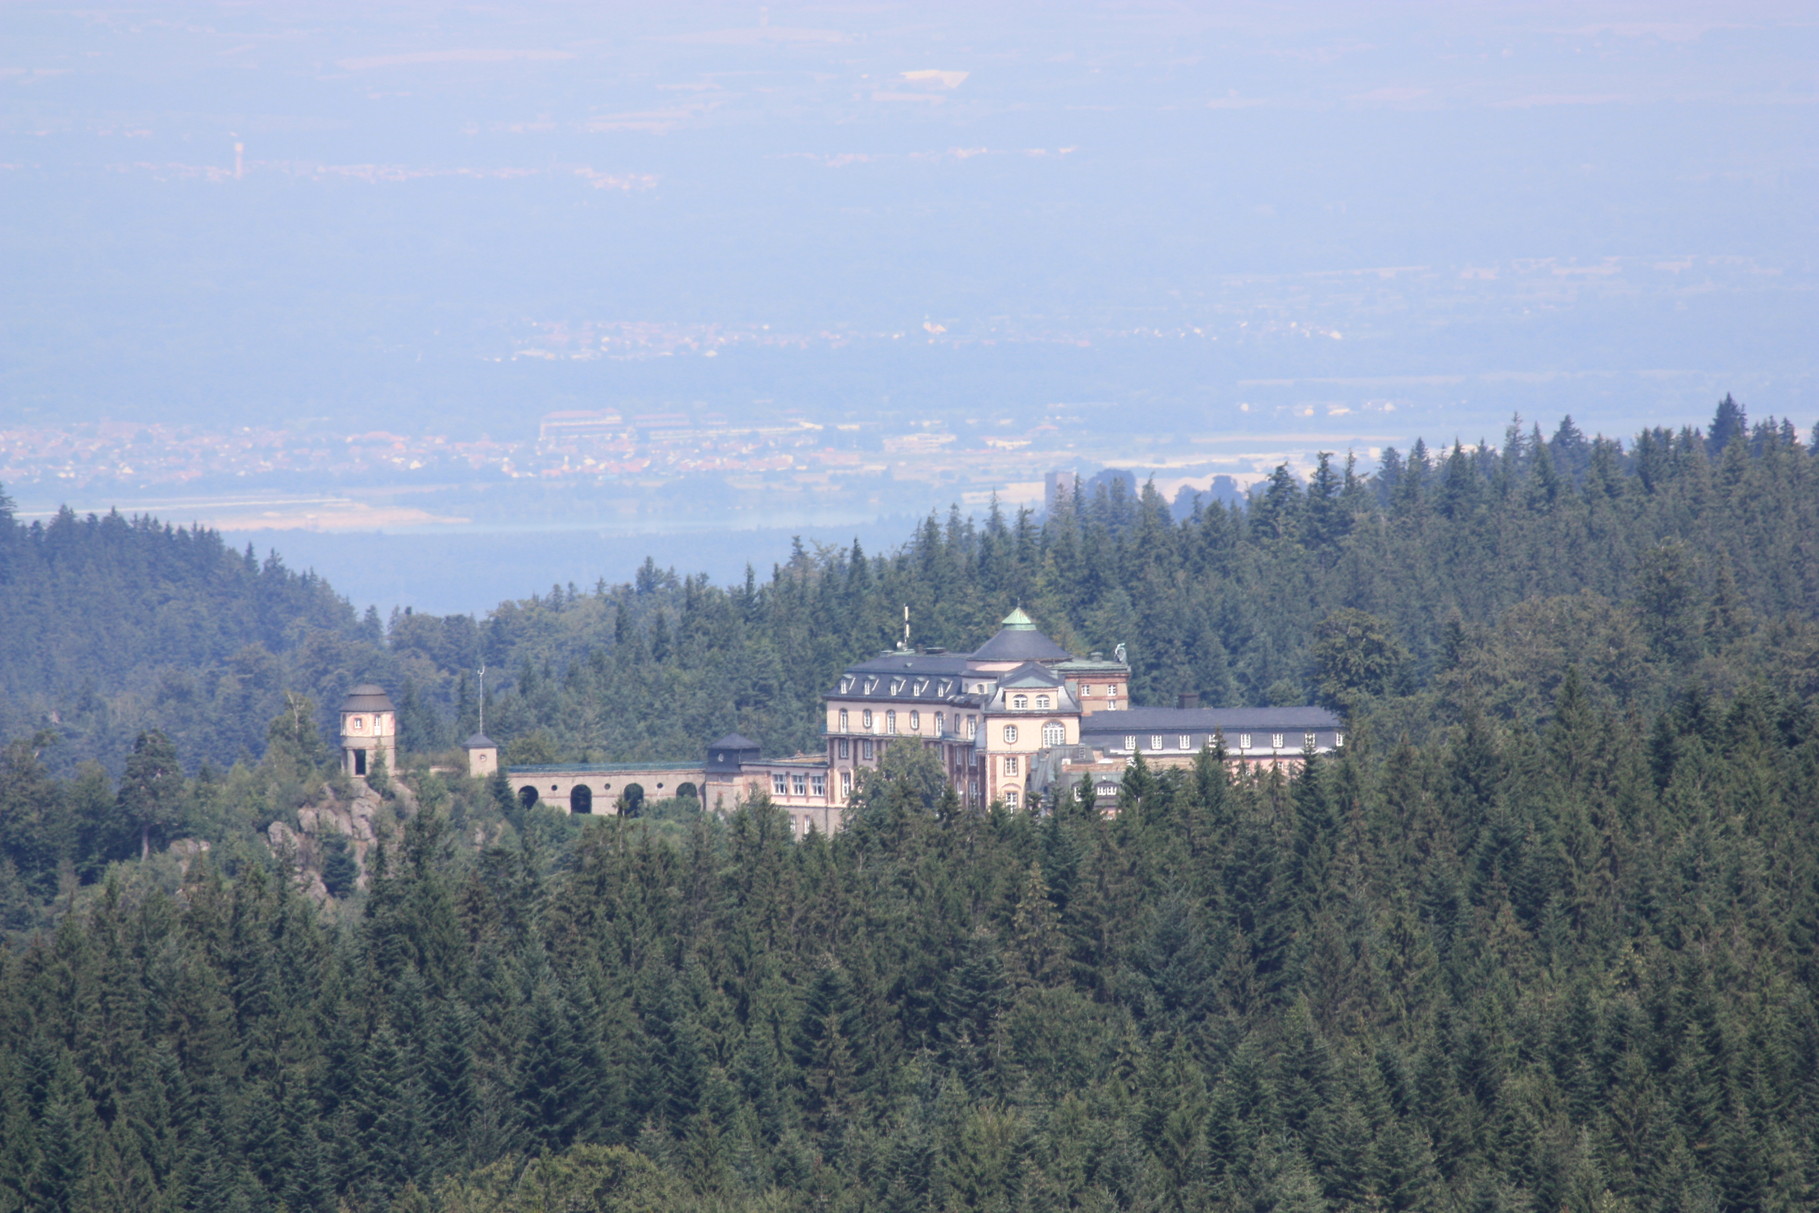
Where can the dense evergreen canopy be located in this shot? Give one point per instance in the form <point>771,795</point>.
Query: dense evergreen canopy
<point>1541,936</point>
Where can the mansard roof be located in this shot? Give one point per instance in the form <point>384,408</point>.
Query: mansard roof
<point>1018,640</point>
<point>1030,674</point>
<point>367,697</point>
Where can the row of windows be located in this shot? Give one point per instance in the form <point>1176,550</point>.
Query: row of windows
<point>1053,733</point>
<point>865,748</point>
<point>798,785</point>
<point>1185,742</point>
<point>890,722</point>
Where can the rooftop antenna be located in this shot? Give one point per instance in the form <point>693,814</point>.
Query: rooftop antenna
<point>483,699</point>
<point>905,643</point>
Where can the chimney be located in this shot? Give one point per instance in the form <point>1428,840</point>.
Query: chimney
<point>1188,699</point>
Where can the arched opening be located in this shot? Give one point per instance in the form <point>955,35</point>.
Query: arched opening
<point>527,795</point>
<point>634,798</point>
<point>687,789</point>
<point>581,800</point>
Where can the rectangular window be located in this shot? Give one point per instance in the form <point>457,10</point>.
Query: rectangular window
<point>1338,740</point>
<point>940,724</point>
<point>1275,741</point>
<point>1309,741</point>
<point>846,748</point>
<point>1130,743</point>
<point>1244,741</point>
<point>866,747</point>
<point>799,784</point>
<point>843,724</point>
<point>779,785</point>
<point>972,788</point>
<point>972,727</point>
<point>1010,764</point>
<point>1155,743</point>
<point>846,783</point>
<point>1087,689</point>
<point>890,721</point>
<point>1187,743</point>
<point>817,784</point>
<point>1010,800</point>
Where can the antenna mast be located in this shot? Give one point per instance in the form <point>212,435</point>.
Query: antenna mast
<point>905,645</point>
<point>483,699</point>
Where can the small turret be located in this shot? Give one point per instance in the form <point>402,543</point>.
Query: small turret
<point>369,728</point>
<point>482,756</point>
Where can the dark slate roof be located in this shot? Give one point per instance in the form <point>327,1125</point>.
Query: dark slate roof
<point>1209,720</point>
<point>1018,640</point>
<point>949,664</point>
<point>1030,674</point>
<point>732,741</point>
<point>368,697</point>
<point>479,741</point>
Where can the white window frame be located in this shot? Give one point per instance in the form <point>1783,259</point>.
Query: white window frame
<point>843,720</point>
<point>1010,734</point>
<point>1013,765</point>
<point>1155,743</point>
<point>1187,743</point>
<point>1130,741</point>
<point>865,720</point>
<point>779,784</point>
<point>1042,703</point>
<point>1276,741</point>
<point>817,785</point>
<point>915,721</point>
<point>1054,733</point>
<point>799,784</point>
<point>890,721</point>
<point>1020,702</point>
<point>1244,741</point>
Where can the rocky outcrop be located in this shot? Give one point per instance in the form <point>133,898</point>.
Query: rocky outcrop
<point>358,819</point>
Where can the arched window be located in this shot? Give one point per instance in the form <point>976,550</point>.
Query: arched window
<point>940,723</point>
<point>1053,733</point>
<point>1042,703</point>
<point>866,718</point>
<point>1020,701</point>
<point>581,799</point>
<point>915,722</point>
<point>890,721</point>
<point>1010,734</point>
<point>843,720</point>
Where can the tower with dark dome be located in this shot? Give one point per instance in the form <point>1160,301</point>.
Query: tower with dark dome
<point>369,728</point>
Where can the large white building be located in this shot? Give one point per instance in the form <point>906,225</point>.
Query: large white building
<point>1016,717</point>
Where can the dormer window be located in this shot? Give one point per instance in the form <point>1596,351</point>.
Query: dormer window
<point>846,684</point>
<point>896,686</point>
<point>1042,703</point>
<point>871,684</point>
<point>1309,741</point>
<point>1155,743</point>
<point>1187,743</point>
<point>1244,741</point>
<point>921,685</point>
<point>1275,741</point>
<point>1020,701</point>
<point>1130,742</point>
<point>942,687</point>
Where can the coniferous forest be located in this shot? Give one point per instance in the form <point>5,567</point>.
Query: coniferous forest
<point>1541,936</point>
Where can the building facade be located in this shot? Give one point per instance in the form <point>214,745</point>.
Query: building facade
<point>1017,718</point>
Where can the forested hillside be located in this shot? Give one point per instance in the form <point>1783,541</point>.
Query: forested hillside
<point>1544,935</point>
<point>109,626</point>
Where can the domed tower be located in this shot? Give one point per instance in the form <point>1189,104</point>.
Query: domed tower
<point>369,728</point>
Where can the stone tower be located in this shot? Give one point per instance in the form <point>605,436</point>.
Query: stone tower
<point>369,727</point>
